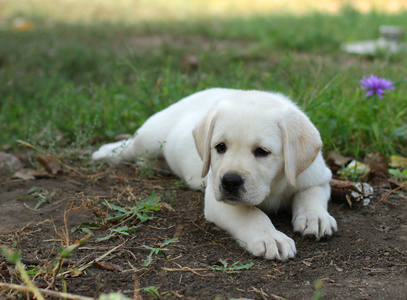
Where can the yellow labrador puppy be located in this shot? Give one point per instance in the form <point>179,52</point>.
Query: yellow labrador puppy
<point>254,151</point>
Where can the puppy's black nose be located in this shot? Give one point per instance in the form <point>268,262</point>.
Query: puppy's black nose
<point>232,182</point>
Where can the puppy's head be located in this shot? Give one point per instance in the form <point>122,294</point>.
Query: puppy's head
<point>254,145</point>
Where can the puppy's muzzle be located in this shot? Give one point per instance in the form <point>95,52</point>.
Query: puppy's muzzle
<point>232,184</point>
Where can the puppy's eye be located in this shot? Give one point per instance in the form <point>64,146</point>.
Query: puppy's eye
<point>220,148</point>
<point>260,152</point>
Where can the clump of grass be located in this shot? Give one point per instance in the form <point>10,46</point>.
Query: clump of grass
<point>236,267</point>
<point>140,212</point>
<point>156,250</point>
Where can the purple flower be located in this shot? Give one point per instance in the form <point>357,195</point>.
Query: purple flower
<point>376,85</point>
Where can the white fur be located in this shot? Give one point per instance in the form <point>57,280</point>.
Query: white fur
<point>270,146</point>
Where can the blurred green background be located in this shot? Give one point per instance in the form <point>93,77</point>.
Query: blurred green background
<point>75,73</point>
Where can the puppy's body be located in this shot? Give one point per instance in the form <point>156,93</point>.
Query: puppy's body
<point>254,151</point>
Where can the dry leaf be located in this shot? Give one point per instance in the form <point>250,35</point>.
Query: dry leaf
<point>109,266</point>
<point>167,207</point>
<point>355,168</point>
<point>336,162</point>
<point>25,174</point>
<point>398,161</point>
<point>50,164</point>
<point>378,168</point>
<point>338,159</point>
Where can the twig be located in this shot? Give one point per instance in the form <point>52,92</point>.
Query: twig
<point>29,208</point>
<point>386,196</point>
<point>56,294</point>
<point>84,267</point>
<point>136,293</point>
<point>188,269</point>
<point>262,294</point>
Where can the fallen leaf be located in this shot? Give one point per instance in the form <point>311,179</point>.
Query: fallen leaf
<point>26,174</point>
<point>167,207</point>
<point>339,269</point>
<point>109,266</point>
<point>378,168</point>
<point>10,162</point>
<point>398,161</point>
<point>50,163</point>
<point>336,162</point>
<point>338,159</point>
<point>355,168</point>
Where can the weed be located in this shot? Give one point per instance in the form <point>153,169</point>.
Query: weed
<point>124,230</point>
<point>15,258</point>
<point>85,227</point>
<point>319,290</point>
<point>37,193</point>
<point>398,174</point>
<point>157,250</point>
<point>33,269</point>
<point>152,290</point>
<point>236,267</point>
<point>141,211</point>
<point>64,252</point>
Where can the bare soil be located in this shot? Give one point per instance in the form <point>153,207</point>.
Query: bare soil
<point>366,259</point>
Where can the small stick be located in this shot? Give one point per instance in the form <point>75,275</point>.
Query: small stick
<point>188,269</point>
<point>43,291</point>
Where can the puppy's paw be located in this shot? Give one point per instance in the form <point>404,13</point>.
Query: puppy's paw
<point>275,245</point>
<point>315,223</point>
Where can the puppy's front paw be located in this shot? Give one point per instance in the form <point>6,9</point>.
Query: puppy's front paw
<point>315,223</point>
<point>275,245</point>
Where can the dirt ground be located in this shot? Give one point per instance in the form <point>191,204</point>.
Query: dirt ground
<point>366,259</point>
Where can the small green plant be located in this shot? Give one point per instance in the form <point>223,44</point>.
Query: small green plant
<point>398,174</point>
<point>37,192</point>
<point>141,210</point>
<point>32,269</point>
<point>157,250</point>
<point>152,290</point>
<point>14,257</point>
<point>319,290</point>
<point>85,227</point>
<point>66,252</point>
<point>236,267</point>
<point>123,230</point>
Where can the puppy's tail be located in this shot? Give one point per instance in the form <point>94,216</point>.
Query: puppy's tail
<point>116,153</point>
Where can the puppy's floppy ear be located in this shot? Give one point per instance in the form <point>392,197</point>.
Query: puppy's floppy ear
<point>301,143</point>
<point>202,135</point>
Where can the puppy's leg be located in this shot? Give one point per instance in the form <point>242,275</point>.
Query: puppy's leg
<point>310,215</point>
<point>251,227</point>
<point>141,148</point>
<point>116,153</point>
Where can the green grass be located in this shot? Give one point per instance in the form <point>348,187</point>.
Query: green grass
<point>83,77</point>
